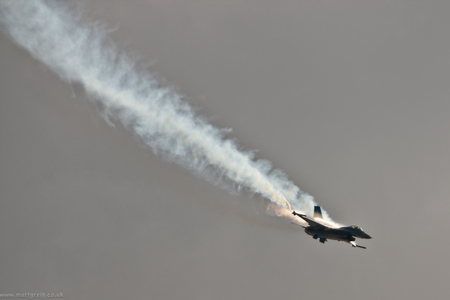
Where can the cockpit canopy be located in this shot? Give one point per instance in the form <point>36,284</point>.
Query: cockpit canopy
<point>356,227</point>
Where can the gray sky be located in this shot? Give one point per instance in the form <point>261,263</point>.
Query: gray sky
<point>349,99</point>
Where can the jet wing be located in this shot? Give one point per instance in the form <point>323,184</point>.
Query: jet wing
<point>310,221</point>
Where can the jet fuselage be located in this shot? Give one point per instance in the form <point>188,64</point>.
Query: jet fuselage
<point>329,234</point>
<point>319,229</point>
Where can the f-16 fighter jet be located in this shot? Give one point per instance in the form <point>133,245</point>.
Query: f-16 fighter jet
<point>319,229</point>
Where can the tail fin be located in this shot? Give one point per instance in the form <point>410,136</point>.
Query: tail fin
<point>317,212</point>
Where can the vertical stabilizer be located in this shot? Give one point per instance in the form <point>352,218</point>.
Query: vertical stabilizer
<point>317,212</point>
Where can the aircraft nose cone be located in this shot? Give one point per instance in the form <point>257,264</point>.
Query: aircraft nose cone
<point>366,236</point>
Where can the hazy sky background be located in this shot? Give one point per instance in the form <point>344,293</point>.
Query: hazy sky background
<point>348,98</point>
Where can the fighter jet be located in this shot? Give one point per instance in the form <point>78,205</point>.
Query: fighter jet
<point>320,229</point>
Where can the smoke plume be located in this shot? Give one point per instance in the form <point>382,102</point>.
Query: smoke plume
<point>81,52</point>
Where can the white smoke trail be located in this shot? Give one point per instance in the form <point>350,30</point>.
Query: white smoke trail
<point>81,52</point>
